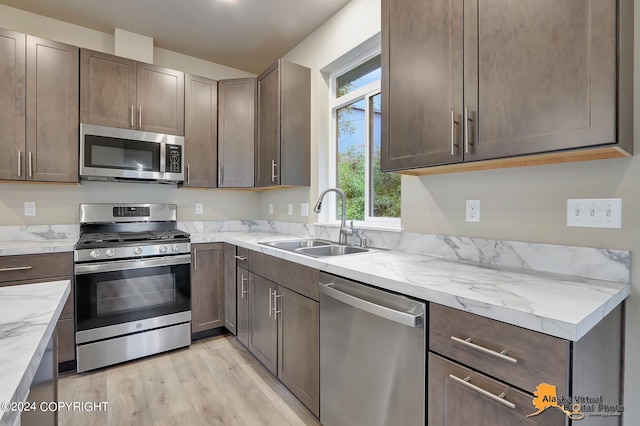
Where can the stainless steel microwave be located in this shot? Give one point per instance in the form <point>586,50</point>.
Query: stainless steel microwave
<point>125,155</point>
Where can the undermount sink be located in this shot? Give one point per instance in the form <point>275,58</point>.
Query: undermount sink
<point>316,248</point>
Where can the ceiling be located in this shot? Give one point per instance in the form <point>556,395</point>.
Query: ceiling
<point>244,34</point>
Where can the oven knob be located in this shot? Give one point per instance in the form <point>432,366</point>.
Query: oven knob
<point>94,254</point>
<point>110,252</point>
<point>175,248</point>
<point>163,249</point>
<point>137,251</point>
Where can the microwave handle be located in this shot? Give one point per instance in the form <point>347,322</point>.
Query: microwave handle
<point>163,157</point>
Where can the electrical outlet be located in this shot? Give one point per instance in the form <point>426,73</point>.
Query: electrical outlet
<point>595,213</point>
<point>270,208</point>
<point>473,210</point>
<point>29,208</point>
<point>199,208</point>
<point>304,209</point>
<point>290,209</point>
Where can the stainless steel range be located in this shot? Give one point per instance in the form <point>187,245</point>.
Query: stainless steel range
<point>133,288</point>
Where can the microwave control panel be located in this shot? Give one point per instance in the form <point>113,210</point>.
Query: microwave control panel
<point>174,159</point>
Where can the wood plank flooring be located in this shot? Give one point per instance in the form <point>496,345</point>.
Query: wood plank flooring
<point>214,382</point>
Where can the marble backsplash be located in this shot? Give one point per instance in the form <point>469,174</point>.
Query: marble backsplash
<point>597,263</point>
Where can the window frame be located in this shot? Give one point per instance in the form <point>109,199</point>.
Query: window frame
<point>335,103</point>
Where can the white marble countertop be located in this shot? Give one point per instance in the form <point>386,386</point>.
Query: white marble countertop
<point>559,305</point>
<point>28,316</point>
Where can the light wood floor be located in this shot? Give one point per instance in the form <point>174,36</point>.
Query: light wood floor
<point>214,382</point>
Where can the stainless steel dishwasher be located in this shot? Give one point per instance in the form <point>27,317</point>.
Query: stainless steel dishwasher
<point>372,356</point>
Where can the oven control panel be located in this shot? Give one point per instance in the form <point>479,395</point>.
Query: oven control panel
<point>131,211</point>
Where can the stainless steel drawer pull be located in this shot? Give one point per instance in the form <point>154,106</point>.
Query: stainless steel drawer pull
<point>270,302</point>
<point>273,170</point>
<point>454,145</point>
<point>188,175</point>
<point>243,279</point>
<point>220,177</point>
<point>276,296</point>
<point>502,355</point>
<point>140,117</point>
<point>498,398</point>
<point>16,268</point>
<point>133,124</point>
<point>30,164</point>
<point>466,130</point>
<point>240,258</point>
<point>19,163</point>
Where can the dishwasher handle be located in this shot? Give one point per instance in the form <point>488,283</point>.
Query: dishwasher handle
<point>401,317</point>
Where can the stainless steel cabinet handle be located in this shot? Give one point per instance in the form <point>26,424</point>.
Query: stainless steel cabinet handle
<point>454,145</point>
<point>270,302</point>
<point>243,279</point>
<point>16,268</point>
<point>276,296</point>
<point>133,124</point>
<point>405,318</point>
<point>188,174</point>
<point>466,130</point>
<point>195,258</point>
<point>240,257</point>
<point>140,117</point>
<point>19,163</point>
<point>502,355</point>
<point>467,382</point>
<point>220,175</point>
<point>30,164</point>
<point>273,170</point>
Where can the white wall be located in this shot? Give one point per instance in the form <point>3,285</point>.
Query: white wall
<point>522,204</point>
<point>58,204</point>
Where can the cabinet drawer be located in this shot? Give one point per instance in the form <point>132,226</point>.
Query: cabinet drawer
<point>518,356</point>
<point>296,277</point>
<point>242,257</point>
<point>33,266</point>
<point>457,397</point>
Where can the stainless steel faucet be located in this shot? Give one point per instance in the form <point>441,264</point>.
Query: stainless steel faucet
<point>344,231</point>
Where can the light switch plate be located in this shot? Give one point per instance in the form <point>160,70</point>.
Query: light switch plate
<point>29,208</point>
<point>304,209</point>
<point>595,213</point>
<point>199,208</point>
<point>473,210</point>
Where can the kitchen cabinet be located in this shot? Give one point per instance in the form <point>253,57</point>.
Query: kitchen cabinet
<point>34,268</point>
<point>233,257</point>
<point>201,131</point>
<point>207,287</point>
<point>283,142</point>
<point>242,310</point>
<point>284,324</point>
<point>504,79</point>
<point>236,132</point>
<point>120,92</point>
<point>483,371</point>
<point>40,109</point>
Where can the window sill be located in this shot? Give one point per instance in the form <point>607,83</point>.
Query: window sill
<point>365,226</point>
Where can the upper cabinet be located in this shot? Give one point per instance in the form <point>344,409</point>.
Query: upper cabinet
<point>38,109</point>
<point>283,126</point>
<point>236,132</point>
<point>201,131</point>
<point>120,92</point>
<point>467,80</point>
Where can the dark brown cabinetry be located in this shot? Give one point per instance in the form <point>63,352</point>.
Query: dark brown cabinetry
<point>201,131</point>
<point>120,92</point>
<point>34,268</point>
<point>503,79</point>
<point>492,369</point>
<point>39,109</point>
<point>207,287</point>
<point>283,126</point>
<point>236,132</point>
<point>284,323</point>
<point>242,307</point>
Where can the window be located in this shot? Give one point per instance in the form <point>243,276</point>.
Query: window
<point>372,196</point>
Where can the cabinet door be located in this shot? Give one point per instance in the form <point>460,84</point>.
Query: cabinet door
<point>539,77</point>
<point>299,346</point>
<point>422,83</point>
<point>66,340</point>
<point>268,132</point>
<point>236,134</point>
<point>207,287</point>
<point>160,96</point>
<point>12,105</point>
<point>263,327</point>
<point>295,125</point>
<point>201,132</point>
<point>107,90</point>
<point>230,291</point>
<point>454,403</point>
<point>52,111</point>
<point>242,313</point>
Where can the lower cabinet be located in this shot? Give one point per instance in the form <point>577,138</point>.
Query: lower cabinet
<point>207,287</point>
<point>242,307</point>
<point>230,304</point>
<point>263,326</point>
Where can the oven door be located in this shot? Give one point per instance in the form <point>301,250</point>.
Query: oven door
<point>132,291</point>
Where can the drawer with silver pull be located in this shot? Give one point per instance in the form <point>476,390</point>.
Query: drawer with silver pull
<point>521,357</point>
<point>35,266</point>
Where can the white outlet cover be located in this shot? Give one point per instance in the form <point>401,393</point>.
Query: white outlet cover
<point>270,208</point>
<point>595,213</point>
<point>199,208</point>
<point>304,209</point>
<point>290,209</point>
<point>29,208</point>
<point>473,211</point>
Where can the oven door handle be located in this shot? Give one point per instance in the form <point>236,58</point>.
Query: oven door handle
<point>124,265</point>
